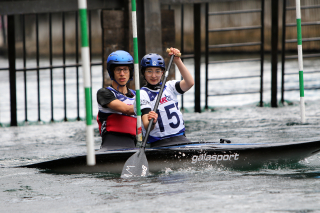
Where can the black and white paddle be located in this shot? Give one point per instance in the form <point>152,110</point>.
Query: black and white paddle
<point>137,164</point>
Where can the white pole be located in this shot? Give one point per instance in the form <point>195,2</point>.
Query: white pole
<point>82,4</point>
<point>136,67</point>
<point>300,61</point>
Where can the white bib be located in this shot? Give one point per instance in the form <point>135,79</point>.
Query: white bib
<point>170,121</point>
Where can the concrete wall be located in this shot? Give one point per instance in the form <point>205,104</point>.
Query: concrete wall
<point>219,21</point>
<point>250,19</point>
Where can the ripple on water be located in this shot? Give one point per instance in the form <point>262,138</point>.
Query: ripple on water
<point>272,188</point>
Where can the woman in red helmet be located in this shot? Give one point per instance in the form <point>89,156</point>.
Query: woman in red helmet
<point>117,123</point>
<point>168,128</point>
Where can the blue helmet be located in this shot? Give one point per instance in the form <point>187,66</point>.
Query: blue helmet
<point>120,58</point>
<point>152,60</point>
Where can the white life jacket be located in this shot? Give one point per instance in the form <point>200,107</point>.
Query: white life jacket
<point>170,121</point>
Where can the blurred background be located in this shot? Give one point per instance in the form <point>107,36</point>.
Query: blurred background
<point>239,52</point>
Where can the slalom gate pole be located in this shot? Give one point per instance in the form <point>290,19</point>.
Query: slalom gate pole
<point>300,61</point>
<point>82,5</point>
<point>136,68</point>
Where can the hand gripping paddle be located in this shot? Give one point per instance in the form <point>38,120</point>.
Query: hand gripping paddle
<point>137,164</point>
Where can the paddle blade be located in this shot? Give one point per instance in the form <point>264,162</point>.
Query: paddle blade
<point>136,166</point>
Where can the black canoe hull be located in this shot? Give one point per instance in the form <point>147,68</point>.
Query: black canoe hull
<point>195,155</point>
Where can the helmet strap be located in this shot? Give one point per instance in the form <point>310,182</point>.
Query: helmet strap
<point>154,87</point>
<point>118,86</point>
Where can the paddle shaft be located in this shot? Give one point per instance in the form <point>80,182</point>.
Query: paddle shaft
<point>157,102</point>
<point>137,164</point>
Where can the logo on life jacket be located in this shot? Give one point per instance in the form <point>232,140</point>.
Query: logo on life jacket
<point>165,99</point>
<point>144,102</point>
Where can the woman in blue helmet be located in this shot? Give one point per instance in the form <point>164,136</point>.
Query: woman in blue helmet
<point>168,126</point>
<point>117,123</point>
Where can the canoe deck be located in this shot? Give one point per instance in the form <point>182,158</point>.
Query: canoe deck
<point>194,155</point>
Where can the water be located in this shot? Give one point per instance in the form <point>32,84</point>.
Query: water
<point>291,188</point>
<point>294,188</point>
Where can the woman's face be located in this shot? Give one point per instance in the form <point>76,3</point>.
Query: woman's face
<point>153,75</point>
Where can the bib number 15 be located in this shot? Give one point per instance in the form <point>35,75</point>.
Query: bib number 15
<point>170,115</point>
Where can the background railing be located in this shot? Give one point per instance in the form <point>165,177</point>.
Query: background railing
<point>44,45</point>
<point>249,42</point>
<point>59,52</point>
<point>225,35</point>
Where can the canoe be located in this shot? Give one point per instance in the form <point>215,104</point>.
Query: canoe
<point>192,155</point>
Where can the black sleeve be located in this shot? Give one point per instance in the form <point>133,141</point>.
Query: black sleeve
<point>105,96</point>
<point>178,88</point>
<point>145,111</point>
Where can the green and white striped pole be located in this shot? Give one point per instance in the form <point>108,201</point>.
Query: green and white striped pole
<point>300,61</point>
<point>82,4</point>
<point>136,67</point>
